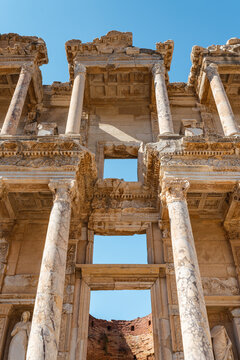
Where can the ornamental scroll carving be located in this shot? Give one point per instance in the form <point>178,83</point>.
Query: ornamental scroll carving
<point>174,189</point>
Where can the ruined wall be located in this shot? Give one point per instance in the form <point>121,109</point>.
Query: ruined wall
<point>119,339</point>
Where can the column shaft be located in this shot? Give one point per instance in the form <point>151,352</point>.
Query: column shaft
<point>45,331</point>
<point>193,316</point>
<point>159,299</point>
<point>222,103</point>
<point>16,106</point>
<point>76,104</point>
<point>236,327</point>
<point>162,101</point>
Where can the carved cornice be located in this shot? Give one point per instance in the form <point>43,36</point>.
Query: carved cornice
<point>49,157</point>
<point>58,88</point>
<point>107,44</point>
<point>182,88</point>
<point>198,54</point>
<point>40,152</point>
<point>166,50</point>
<point>118,194</point>
<point>214,152</point>
<point>14,45</point>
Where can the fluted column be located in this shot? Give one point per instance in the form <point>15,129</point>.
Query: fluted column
<point>45,331</point>
<point>76,104</point>
<point>193,316</point>
<point>222,103</point>
<point>163,107</point>
<point>16,106</point>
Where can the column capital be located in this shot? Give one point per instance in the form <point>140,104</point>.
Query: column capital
<point>235,313</point>
<point>63,189</point>
<point>174,189</point>
<point>79,68</point>
<point>158,68</point>
<point>27,67</point>
<point>211,69</point>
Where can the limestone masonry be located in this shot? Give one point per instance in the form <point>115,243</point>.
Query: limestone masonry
<point>119,104</point>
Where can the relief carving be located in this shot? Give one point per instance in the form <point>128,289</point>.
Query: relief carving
<point>71,259</point>
<point>216,286</point>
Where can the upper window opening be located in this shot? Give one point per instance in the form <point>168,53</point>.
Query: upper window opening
<point>125,169</point>
<point>120,249</point>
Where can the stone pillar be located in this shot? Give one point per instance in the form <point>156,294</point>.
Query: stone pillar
<point>193,316</point>
<point>16,106</point>
<point>45,331</point>
<point>5,310</point>
<point>222,103</point>
<point>5,231</point>
<point>159,298</point>
<point>163,107</point>
<point>76,104</point>
<point>236,327</point>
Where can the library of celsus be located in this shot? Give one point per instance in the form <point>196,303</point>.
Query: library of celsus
<point>54,198</point>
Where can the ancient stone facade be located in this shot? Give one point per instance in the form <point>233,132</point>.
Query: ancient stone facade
<point>119,104</point>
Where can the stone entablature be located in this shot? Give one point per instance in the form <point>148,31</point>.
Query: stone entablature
<point>14,47</point>
<point>54,199</point>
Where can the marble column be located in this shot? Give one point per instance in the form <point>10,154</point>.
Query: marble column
<point>76,104</point>
<point>5,230</point>
<point>16,106</point>
<point>162,102</point>
<point>236,327</point>
<point>45,331</point>
<point>222,103</point>
<point>193,316</point>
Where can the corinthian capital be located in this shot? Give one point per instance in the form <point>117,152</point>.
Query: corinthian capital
<point>158,68</point>
<point>27,67</point>
<point>174,189</point>
<point>211,70</point>
<point>63,190</point>
<point>79,68</point>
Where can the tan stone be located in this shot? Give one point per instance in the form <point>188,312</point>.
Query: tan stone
<point>119,104</point>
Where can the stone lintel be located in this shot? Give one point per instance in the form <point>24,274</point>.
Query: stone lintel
<point>120,277</point>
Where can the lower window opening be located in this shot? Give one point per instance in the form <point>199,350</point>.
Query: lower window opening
<point>120,339</point>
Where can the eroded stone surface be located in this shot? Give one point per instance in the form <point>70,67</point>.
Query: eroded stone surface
<point>119,104</point>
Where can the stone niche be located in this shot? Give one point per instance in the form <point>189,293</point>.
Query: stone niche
<point>221,316</point>
<point>14,316</point>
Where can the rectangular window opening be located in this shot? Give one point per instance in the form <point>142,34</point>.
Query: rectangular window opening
<point>114,339</point>
<point>120,249</point>
<point>125,169</point>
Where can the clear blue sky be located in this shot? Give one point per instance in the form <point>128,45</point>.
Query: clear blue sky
<point>187,22</point>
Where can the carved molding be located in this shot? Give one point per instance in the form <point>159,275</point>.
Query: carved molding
<point>23,46</point>
<point>231,49</point>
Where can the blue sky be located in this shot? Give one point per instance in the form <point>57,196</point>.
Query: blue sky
<point>186,22</point>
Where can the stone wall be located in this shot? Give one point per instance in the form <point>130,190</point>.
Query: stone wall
<point>118,339</point>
